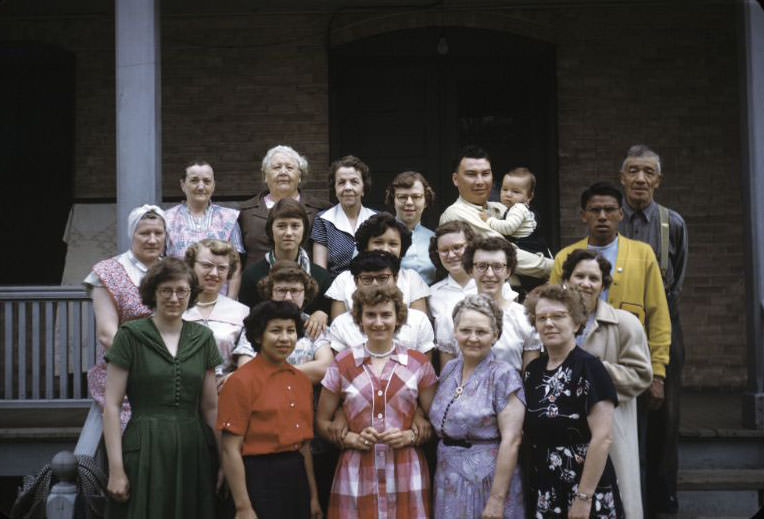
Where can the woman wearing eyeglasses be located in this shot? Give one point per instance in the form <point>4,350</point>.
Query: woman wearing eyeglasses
<point>570,400</point>
<point>163,464</point>
<point>491,262</point>
<point>286,229</point>
<point>213,262</point>
<point>410,194</point>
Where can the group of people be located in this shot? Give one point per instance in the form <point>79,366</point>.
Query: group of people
<point>294,360</point>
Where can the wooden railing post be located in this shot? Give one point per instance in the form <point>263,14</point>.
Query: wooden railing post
<point>63,495</point>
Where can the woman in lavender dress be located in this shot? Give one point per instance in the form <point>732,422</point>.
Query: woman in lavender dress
<point>478,415</point>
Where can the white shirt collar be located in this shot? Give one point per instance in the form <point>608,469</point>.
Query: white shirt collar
<point>337,217</point>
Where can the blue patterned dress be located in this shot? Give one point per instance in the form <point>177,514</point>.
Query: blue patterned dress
<point>464,475</point>
<point>556,427</point>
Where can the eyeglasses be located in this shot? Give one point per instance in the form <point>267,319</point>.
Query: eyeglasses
<point>555,317</point>
<point>415,197</point>
<point>293,291</point>
<point>456,250</point>
<point>209,267</point>
<point>369,279</point>
<point>498,268</point>
<point>180,293</point>
<point>609,209</point>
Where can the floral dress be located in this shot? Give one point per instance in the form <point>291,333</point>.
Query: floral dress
<point>556,427</point>
<point>382,482</point>
<point>465,420</point>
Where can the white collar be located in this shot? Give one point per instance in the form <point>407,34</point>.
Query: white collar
<point>337,217</point>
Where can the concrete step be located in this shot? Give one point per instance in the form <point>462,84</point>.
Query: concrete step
<point>721,479</point>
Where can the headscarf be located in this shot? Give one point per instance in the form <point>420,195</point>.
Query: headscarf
<point>139,212</point>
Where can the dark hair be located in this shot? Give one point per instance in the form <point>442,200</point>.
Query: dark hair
<point>601,189</point>
<point>524,173</point>
<point>377,225</point>
<point>454,226</point>
<point>579,255</point>
<point>367,296</point>
<point>350,161</point>
<point>285,271</point>
<point>469,152</point>
<point>569,296</point>
<point>262,313</point>
<point>216,247</point>
<point>167,269</point>
<point>490,244</point>
<point>195,162</point>
<point>406,180</point>
<point>374,261</point>
<point>287,208</point>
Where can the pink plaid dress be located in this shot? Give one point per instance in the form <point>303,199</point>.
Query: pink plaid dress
<point>382,482</point>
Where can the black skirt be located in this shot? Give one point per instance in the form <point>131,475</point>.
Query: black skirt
<point>278,486</point>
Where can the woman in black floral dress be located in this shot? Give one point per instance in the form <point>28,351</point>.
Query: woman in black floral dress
<point>569,416</point>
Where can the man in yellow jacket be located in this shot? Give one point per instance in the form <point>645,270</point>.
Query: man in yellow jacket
<point>637,285</point>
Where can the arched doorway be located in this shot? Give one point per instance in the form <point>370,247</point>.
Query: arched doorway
<point>410,99</point>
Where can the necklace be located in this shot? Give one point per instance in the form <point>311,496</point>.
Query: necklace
<point>198,303</point>
<point>379,355</point>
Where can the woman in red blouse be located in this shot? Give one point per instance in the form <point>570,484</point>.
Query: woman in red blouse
<point>265,411</point>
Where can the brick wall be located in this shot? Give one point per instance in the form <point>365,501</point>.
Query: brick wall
<point>234,85</point>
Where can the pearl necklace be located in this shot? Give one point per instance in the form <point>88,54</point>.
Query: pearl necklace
<point>211,303</point>
<point>379,355</point>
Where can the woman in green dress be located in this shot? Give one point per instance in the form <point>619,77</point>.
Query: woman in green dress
<point>162,467</point>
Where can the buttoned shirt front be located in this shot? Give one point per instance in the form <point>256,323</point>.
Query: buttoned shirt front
<point>270,405</point>
<point>644,225</point>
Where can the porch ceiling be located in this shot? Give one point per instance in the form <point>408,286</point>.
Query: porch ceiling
<point>26,8</point>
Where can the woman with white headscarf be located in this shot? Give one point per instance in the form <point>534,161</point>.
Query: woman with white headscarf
<point>113,287</point>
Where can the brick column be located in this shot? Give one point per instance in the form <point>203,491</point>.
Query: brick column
<point>138,88</point>
<point>752,121</point>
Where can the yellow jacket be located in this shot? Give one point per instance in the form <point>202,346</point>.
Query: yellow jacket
<point>637,288</point>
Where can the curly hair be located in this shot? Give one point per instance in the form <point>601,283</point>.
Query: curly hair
<point>168,269</point>
<point>287,208</point>
<point>374,261</point>
<point>217,248</point>
<point>374,295</point>
<point>262,313</point>
<point>406,180</point>
<point>490,244</point>
<point>569,296</point>
<point>452,227</point>
<point>285,271</point>
<point>349,161</point>
<point>302,162</point>
<point>377,225</point>
<point>579,255</point>
<point>483,305</point>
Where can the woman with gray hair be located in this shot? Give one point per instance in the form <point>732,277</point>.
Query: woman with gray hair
<point>478,413</point>
<point>113,287</point>
<point>283,171</point>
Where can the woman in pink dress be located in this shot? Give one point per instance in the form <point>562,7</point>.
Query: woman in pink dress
<point>113,287</point>
<point>381,472</point>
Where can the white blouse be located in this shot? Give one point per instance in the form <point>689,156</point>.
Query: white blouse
<point>409,282</point>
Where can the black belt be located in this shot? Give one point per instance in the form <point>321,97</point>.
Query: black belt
<point>452,442</point>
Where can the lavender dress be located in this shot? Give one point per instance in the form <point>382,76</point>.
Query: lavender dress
<point>464,475</point>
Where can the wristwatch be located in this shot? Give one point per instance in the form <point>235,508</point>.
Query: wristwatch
<point>583,496</point>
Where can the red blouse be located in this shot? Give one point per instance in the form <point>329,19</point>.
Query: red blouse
<point>271,406</point>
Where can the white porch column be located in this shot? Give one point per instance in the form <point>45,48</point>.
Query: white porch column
<point>139,130</point>
<point>752,133</point>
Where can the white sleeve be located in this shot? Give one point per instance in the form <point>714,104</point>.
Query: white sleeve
<point>425,338</point>
<point>337,289</point>
<point>446,339</point>
<point>416,286</point>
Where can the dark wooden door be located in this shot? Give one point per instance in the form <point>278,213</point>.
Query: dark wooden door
<point>36,161</point>
<point>399,102</point>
